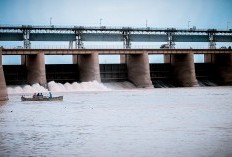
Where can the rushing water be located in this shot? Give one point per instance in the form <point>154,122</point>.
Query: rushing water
<point>170,122</point>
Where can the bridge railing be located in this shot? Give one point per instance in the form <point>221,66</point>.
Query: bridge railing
<point>18,26</point>
<point>104,47</point>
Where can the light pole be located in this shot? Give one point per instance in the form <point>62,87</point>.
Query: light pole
<point>188,24</point>
<point>50,21</point>
<point>100,21</point>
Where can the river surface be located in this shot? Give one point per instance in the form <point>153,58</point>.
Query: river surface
<point>170,122</point>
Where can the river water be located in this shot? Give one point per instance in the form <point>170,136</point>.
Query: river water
<point>114,122</point>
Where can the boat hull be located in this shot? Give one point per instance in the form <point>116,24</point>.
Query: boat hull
<point>59,98</point>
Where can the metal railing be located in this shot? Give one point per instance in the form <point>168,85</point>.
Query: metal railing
<point>110,28</point>
<point>107,47</point>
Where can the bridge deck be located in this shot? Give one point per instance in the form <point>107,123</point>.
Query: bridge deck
<point>112,51</point>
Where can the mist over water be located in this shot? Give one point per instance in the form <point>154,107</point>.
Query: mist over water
<point>91,86</point>
<point>26,89</point>
<point>70,87</point>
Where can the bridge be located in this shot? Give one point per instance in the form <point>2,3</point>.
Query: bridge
<point>77,35</point>
<point>112,51</point>
<point>178,66</point>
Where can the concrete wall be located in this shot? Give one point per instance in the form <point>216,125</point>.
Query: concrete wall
<point>36,69</point>
<point>184,69</point>
<point>223,68</point>
<point>89,67</point>
<point>62,73</point>
<point>139,70</point>
<point>3,90</point>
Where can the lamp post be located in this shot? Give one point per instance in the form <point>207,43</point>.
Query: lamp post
<point>188,24</point>
<point>50,21</point>
<point>100,21</point>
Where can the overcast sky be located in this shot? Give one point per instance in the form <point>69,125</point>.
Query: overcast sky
<point>158,13</point>
<point>134,13</point>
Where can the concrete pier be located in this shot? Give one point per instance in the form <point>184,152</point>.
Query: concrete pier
<point>167,58</point>
<point>89,67</point>
<point>223,68</point>
<point>36,69</point>
<point>75,59</point>
<point>123,59</point>
<point>23,59</point>
<point>184,69</point>
<point>3,90</point>
<point>208,58</point>
<point>139,70</point>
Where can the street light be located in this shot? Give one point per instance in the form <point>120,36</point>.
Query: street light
<point>188,24</point>
<point>100,21</point>
<point>50,20</point>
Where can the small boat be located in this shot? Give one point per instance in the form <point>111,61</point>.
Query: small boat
<point>42,98</point>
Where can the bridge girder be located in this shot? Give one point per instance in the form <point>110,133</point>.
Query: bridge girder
<point>127,35</point>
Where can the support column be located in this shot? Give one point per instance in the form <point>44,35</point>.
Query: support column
<point>126,45</point>
<point>36,72</point>
<point>139,70</point>
<point>75,59</point>
<point>23,59</point>
<point>184,69</point>
<point>89,67</point>
<point>223,64</point>
<point>3,90</point>
<point>167,58</point>
<point>123,59</point>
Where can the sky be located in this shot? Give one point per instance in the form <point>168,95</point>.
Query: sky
<point>134,13</point>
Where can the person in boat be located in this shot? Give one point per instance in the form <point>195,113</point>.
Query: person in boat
<point>39,95</point>
<point>50,95</point>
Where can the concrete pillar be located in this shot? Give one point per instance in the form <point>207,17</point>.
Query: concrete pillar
<point>23,59</point>
<point>184,69</point>
<point>3,90</point>
<point>89,67</point>
<point>139,70</point>
<point>75,59</point>
<point>167,58</point>
<point>223,64</point>
<point>123,59</point>
<point>36,72</point>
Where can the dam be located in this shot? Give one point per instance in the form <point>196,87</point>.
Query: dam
<point>178,68</point>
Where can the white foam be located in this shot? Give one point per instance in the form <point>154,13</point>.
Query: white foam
<point>70,87</point>
<point>73,87</point>
<point>26,89</point>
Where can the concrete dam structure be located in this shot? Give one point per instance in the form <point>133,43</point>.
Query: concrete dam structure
<point>178,68</point>
<point>179,64</point>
